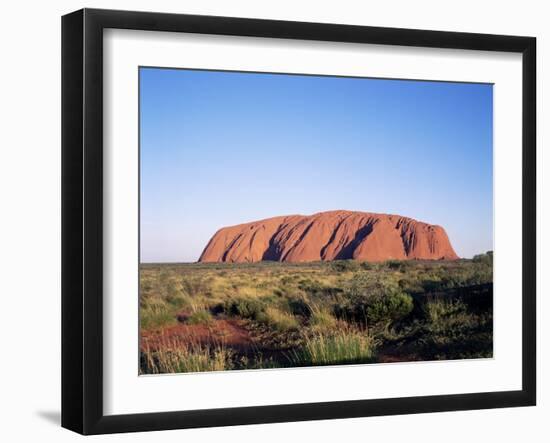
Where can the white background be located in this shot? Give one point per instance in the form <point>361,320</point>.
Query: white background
<point>30,222</point>
<point>126,393</point>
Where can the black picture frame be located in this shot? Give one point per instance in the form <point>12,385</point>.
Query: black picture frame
<point>82,218</point>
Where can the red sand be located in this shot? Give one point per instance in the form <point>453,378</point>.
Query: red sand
<point>229,333</point>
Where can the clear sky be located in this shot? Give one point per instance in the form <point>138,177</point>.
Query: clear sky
<point>223,148</point>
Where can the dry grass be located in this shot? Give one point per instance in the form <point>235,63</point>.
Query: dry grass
<point>177,356</point>
<point>279,320</point>
<point>322,319</point>
<point>343,347</point>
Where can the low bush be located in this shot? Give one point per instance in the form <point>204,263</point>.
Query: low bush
<point>389,308</point>
<point>452,331</point>
<point>309,286</point>
<point>366,266</point>
<point>299,306</point>
<point>373,300</point>
<point>393,264</point>
<point>345,265</point>
<point>245,307</point>
<point>199,318</point>
<point>486,259</point>
<point>411,285</point>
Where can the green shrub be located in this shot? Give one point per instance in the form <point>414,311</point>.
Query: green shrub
<point>389,308</point>
<point>317,289</point>
<point>373,299</point>
<point>199,318</point>
<point>287,280</point>
<point>393,264</point>
<point>345,265</point>
<point>452,331</point>
<point>299,306</point>
<point>486,258</point>
<point>309,286</point>
<point>245,307</point>
<point>364,285</point>
<point>433,284</point>
<point>366,266</point>
<point>411,285</point>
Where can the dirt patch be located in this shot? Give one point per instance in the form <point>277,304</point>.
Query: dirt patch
<point>393,354</point>
<point>229,333</point>
<point>386,358</point>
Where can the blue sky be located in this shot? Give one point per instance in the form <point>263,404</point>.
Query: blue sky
<point>222,148</point>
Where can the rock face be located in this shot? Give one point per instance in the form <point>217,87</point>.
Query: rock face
<point>332,235</point>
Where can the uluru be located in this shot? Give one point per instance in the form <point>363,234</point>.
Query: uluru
<point>331,235</point>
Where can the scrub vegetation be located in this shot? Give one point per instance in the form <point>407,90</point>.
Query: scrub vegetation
<point>211,317</point>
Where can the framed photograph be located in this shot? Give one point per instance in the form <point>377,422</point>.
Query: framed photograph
<point>269,221</point>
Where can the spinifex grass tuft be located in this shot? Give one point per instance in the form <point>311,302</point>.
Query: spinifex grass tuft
<point>341,347</point>
<point>176,356</point>
<point>279,320</point>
